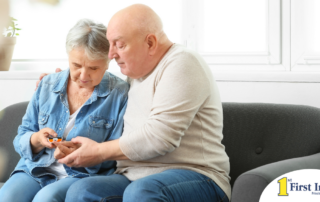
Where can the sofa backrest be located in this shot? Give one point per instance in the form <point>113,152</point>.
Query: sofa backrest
<point>256,134</point>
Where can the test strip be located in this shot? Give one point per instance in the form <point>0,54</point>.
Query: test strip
<point>54,139</point>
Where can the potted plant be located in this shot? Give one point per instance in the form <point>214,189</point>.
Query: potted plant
<point>9,40</point>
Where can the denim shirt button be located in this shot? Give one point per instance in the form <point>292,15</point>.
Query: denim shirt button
<point>59,128</point>
<point>93,122</point>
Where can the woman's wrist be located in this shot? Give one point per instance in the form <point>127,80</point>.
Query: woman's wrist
<point>36,147</point>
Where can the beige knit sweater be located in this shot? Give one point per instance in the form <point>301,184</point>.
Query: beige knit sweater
<point>174,120</point>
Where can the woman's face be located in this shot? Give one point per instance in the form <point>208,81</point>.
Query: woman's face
<point>86,73</point>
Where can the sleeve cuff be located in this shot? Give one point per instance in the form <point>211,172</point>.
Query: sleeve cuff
<point>25,147</point>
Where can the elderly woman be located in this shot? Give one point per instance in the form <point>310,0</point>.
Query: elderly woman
<point>81,101</point>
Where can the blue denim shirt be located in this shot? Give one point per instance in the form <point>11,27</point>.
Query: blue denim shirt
<point>100,119</point>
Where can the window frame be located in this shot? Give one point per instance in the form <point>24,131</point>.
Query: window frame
<point>277,58</point>
<point>301,58</point>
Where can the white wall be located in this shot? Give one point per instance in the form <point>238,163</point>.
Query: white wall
<point>14,91</point>
<point>240,87</point>
<point>271,92</point>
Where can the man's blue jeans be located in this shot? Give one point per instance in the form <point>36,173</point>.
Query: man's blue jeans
<point>171,185</point>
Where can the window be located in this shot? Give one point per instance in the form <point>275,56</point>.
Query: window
<point>268,35</point>
<point>305,24</point>
<point>236,33</point>
<point>41,44</point>
<point>246,35</point>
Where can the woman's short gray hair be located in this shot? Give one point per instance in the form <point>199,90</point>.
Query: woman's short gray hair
<point>91,37</point>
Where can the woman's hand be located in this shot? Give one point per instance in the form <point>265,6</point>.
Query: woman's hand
<point>39,140</point>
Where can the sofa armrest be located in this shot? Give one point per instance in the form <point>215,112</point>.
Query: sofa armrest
<point>249,186</point>
<point>10,119</point>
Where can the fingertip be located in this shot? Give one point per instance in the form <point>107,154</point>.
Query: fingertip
<point>62,160</point>
<point>41,76</point>
<point>53,133</point>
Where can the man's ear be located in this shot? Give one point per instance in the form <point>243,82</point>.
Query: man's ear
<point>152,42</point>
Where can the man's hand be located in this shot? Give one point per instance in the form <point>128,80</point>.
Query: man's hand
<point>39,140</point>
<point>88,154</point>
<point>64,148</point>
<point>43,75</point>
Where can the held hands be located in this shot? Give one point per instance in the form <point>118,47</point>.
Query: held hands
<point>43,75</point>
<point>64,148</point>
<point>86,155</point>
<point>39,140</point>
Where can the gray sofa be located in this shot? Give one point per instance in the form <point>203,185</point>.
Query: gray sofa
<point>263,142</point>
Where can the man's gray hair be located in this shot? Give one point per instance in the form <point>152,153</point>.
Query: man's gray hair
<point>91,37</point>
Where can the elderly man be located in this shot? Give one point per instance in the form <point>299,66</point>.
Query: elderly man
<point>170,149</point>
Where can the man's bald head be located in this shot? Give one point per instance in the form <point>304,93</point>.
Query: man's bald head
<point>139,19</point>
<point>137,40</point>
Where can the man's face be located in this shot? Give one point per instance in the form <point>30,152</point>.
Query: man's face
<point>129,50</point>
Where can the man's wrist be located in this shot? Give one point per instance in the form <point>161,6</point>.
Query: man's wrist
<point>110,150</point>
<point>102,155</point>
